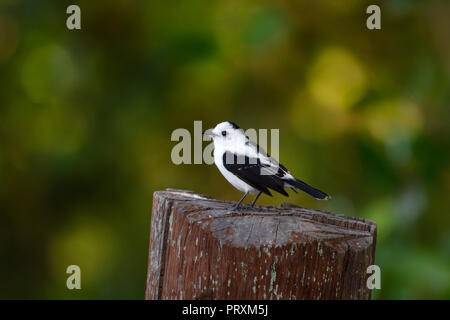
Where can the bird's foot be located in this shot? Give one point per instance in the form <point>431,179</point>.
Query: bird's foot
<point>237,209</point>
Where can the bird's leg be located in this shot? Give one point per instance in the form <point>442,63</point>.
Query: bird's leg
<point>236,206</point>
<point>256,198</point>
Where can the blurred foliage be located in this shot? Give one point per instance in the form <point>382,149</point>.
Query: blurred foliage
<point>86,118</point>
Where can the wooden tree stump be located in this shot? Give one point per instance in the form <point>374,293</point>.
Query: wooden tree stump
<point>201,250</point>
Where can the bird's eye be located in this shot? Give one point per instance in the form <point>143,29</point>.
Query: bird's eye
<point>224,133</point>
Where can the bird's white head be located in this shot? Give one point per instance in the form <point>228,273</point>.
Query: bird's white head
<point>225,132</point>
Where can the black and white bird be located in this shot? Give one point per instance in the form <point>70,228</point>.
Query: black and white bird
<point>249,168</point>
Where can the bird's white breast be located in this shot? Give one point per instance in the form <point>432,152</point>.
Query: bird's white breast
<point>235,181</point>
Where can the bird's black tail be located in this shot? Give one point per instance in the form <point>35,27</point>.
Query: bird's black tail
<point>308,189</point>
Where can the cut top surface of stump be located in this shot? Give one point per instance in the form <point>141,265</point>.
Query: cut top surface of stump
<point>267,225</point>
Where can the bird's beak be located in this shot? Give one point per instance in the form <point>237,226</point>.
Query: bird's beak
<point>209,133</point>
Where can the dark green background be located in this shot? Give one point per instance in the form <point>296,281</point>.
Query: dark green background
<point>86,118</point>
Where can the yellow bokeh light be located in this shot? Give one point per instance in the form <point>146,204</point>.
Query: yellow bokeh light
<point>390,118</point>
<point>336,79</point>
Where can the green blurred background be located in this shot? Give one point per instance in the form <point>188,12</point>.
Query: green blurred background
<point>86,118</point>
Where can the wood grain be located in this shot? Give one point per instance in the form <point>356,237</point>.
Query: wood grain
<point>201,250</point>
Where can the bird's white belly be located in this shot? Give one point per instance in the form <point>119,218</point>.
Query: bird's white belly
<point>231,178</point>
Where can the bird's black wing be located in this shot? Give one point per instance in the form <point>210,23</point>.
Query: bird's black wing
<point>249,170</point>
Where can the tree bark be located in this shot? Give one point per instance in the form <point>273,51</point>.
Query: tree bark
<point>201,250</point>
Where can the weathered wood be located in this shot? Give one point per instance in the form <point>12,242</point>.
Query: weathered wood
<point>200,250</point>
